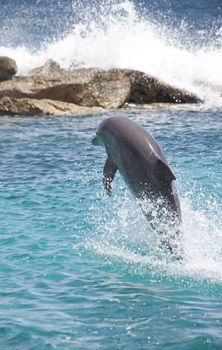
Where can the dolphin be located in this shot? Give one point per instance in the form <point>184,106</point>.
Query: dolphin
<point>138,157</point>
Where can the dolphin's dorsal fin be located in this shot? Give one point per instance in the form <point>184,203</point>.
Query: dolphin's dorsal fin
<point>109,172</point>
<point>164,173</point>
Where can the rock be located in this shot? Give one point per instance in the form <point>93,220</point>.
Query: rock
<point>146,89</point>
<point>85,87</point>
<point>8,68</point>
<point>46,93</point>
<point>31,107</point>
<point>50,68</point>
<point>28,86</point>
<point>105,89</point>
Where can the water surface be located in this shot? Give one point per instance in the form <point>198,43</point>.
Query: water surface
<point>79,269</point>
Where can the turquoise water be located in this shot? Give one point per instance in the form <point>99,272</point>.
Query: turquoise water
<point>79,270</point>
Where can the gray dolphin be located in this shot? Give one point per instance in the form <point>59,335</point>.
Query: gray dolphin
<point>139,159</point>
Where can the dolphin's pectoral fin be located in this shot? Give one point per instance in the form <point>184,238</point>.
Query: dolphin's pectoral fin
<point>109,172</point>
<point>164,173</point>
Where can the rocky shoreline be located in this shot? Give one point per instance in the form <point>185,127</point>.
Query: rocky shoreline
<point>50,90</point>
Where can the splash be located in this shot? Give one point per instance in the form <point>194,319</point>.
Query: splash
<point>114,35</point>
<point>124,238</point>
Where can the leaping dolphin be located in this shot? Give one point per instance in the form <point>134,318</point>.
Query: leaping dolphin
<point>139,159</point>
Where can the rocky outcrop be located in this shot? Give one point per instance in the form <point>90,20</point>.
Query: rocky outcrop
<point>85,87</point>
<point>50,68</point>
<point>146,89</point>
<point>8,68</point>
<point>51,90</point>
<point>31,107</point>
<point>105,89</point>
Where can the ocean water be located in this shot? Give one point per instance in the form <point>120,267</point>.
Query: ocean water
<point>81,270</point>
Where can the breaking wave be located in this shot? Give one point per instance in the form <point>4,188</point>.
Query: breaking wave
<point>116,35</point>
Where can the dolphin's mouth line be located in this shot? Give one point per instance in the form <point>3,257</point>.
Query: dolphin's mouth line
<point>97,140</point>
<point>94,140</point>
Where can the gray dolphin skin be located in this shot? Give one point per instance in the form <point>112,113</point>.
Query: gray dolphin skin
<point>139,159</point>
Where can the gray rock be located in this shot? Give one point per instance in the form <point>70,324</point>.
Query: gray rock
<point>30,107</point>
<point>53,91</point>
<point>49,69</point>
<point>85,87</point>
<point>105,89</point>
<point>146,89</point>
<point>8,68</point>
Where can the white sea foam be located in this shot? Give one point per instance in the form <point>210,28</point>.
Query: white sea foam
<point>123,235</point>
<point>121,38</point>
